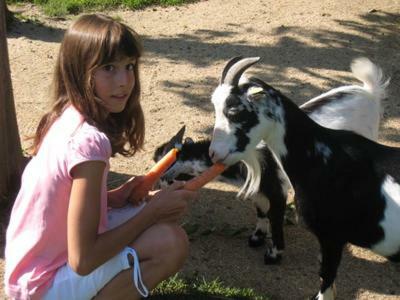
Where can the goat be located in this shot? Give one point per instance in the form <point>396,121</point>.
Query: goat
<point>347,186</point>
<point>348,107</point>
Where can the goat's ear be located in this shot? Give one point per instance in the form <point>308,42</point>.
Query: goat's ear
<point>175,141</point>
<point>159,152</point>
<point>255,93</point>
<point>178,138</point>
<point>189,140</point>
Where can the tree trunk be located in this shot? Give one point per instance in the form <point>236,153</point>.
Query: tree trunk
<point>10,146</point>
<point>9,17</point>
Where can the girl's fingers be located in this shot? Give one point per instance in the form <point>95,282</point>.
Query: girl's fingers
<point>135,181</point>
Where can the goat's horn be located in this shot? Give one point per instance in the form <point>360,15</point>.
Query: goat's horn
<point>236,70</point>
<point>228,65</point>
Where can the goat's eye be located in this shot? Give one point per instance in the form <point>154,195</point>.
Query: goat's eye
<point>232,101</point>
<point>234,114</point>
<point>233,111</point>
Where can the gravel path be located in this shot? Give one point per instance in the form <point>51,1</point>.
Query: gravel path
<point>306,49</point>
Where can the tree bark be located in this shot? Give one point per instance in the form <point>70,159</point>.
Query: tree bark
<point>11,157</point>
<point>9,16</point>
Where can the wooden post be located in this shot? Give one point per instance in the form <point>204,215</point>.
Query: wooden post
<point>10,146</point>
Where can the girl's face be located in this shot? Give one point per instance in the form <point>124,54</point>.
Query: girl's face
<point>114,83</point>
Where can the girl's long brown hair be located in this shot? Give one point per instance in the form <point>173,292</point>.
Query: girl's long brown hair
<point>92,41</point>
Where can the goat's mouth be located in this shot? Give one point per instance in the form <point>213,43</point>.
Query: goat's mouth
<point>231,158</point>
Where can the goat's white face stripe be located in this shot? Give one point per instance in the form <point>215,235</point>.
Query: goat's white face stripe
<point>218,99</point>
<point>222,140</point>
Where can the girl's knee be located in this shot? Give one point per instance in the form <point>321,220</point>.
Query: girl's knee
<point>175,240</point>
<point>163,241</point>
<point>172,248</point>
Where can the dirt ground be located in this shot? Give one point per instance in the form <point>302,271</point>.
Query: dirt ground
<point>306,49</point>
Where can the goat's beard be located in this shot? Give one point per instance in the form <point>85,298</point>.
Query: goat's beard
<point>253,161</point>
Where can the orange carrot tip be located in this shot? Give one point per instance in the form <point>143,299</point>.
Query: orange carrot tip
<point>208,175</point>
<point>163,164</point>
<point>154,174</point>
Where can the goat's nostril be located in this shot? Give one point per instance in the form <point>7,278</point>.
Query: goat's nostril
<point>211,153</point>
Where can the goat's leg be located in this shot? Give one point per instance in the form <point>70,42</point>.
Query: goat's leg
<point>276,215</point>
<point>331,252</point>
<point>274,186</point>
<point>263,229</point>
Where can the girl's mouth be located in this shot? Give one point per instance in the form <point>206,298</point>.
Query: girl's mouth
<point>120,97</point>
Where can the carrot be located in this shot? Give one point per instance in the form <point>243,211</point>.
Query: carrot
<point>196,183</point>
<point>154,174</point>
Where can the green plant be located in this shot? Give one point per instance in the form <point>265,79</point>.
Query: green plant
<point>58,8</point>
<point>179,288</point>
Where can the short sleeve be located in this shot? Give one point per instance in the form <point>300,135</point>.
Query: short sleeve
<point>88,144</point>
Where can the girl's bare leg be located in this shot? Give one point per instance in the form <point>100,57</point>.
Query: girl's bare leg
<point>162,251</point>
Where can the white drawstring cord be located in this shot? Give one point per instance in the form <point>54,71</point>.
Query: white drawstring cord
<point>137,276</point>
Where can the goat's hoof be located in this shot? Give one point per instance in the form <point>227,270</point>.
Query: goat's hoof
<point>256,241</point>
<point>272,259</point>
<point>328,294</point>
<point>315,297</point>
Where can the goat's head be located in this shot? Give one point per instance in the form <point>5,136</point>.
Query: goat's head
<point>244,113</point>
<point>191,161</point>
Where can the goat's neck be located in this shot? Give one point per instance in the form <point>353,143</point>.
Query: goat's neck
<point>293,140</point>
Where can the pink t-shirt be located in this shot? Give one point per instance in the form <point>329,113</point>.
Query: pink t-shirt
<point>36,244</point>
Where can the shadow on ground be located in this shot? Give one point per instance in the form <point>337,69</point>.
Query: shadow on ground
<point>375,36</point>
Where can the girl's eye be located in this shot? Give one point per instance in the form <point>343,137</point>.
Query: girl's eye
<point>109,68</point>
<point>130,67</point>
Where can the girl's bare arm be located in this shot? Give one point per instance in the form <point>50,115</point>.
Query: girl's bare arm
<point>86,248</point>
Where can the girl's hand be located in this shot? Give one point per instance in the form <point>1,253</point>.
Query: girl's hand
<point>120,196</point>
<point>133,183</point>
<point>171,203</point>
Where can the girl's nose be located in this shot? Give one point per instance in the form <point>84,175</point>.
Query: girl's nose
<point>122,77</point>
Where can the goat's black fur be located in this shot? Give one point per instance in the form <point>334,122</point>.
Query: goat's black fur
<point>347,186</point>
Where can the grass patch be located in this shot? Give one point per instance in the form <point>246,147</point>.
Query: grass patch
<point>177,288</point>
<point>59,8</point>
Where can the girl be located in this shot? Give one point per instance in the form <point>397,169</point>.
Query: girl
<point>59,243</point>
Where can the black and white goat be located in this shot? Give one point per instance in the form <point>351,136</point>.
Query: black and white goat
<point>346,186</point>
<point>352,107</point>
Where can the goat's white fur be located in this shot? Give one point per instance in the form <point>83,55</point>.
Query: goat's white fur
<point>391,191</point>
<point>348,115</point>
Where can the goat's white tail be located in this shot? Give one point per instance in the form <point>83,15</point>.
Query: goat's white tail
<point>371,75</point>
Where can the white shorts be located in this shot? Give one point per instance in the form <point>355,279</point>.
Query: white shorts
<point>68,285</point>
